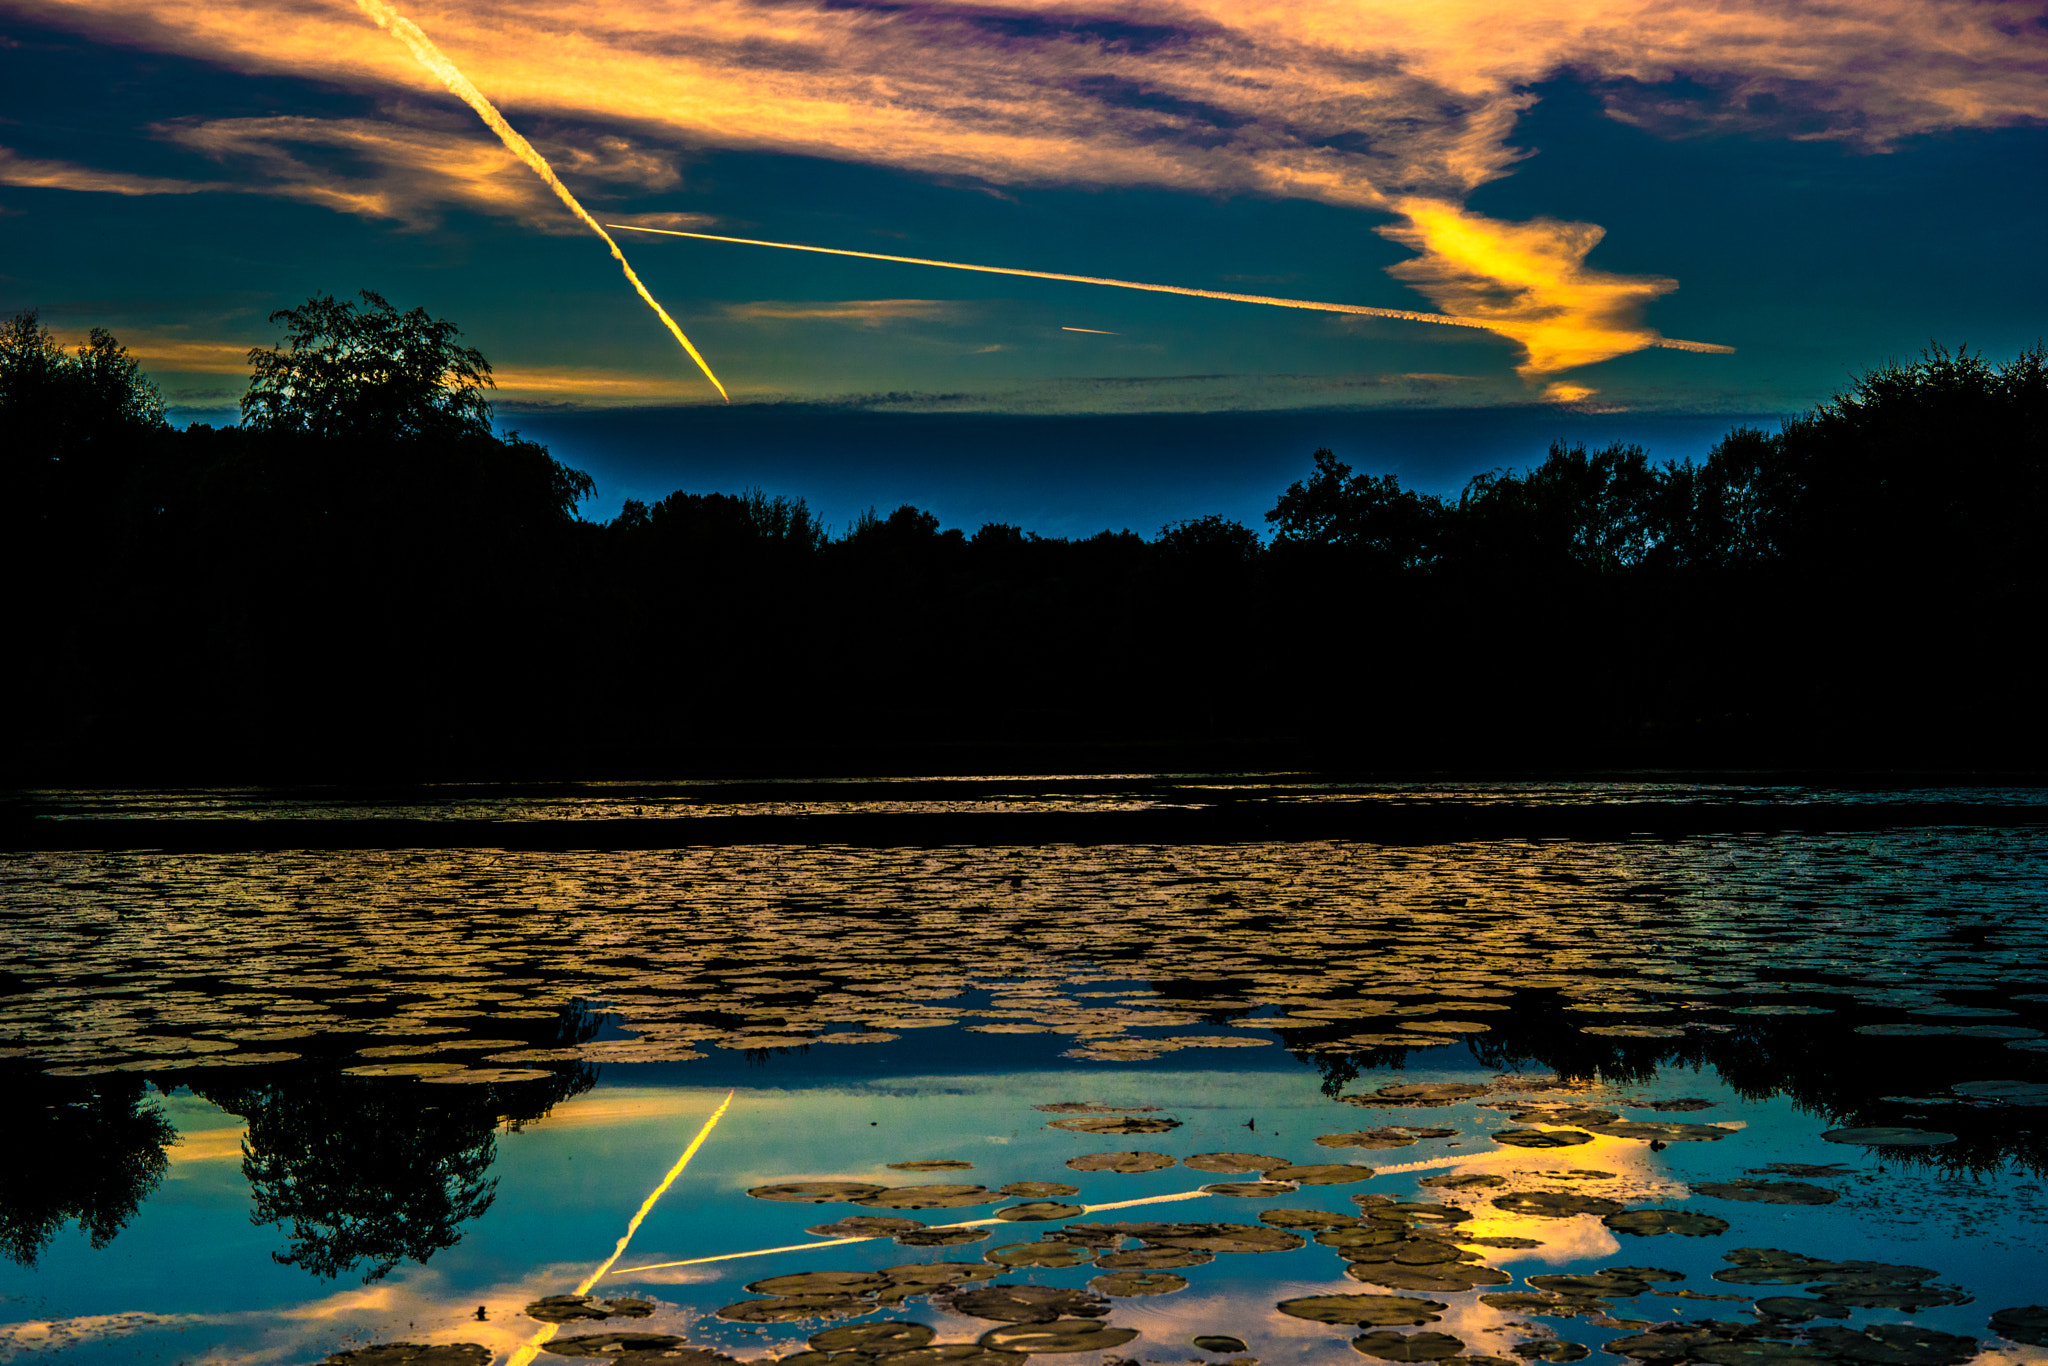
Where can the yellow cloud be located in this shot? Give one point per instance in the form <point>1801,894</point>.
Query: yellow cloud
<point>1527,281</point>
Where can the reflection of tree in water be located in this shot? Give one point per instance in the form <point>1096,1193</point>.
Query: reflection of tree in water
<point>90,1151</point>
<point>1846,1079</point>
<point>367,1172</point>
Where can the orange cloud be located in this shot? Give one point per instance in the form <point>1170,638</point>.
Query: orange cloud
<point>65,175</point>
<point>1529,282</point>
<point>410,168</point>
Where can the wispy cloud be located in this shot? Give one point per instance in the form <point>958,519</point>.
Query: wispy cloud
<point>866,312</point>
<point>65,175</point>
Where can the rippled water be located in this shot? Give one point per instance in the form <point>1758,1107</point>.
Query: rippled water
<point>284,1102</point>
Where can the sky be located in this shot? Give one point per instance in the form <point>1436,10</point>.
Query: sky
<point>1642,220</point>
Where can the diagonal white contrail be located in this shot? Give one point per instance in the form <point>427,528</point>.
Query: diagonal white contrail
<point>1361,310</point>
<point>431,57</point>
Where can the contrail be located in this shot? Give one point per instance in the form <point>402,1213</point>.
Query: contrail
<point>1095,330</point>
<point>430,57</point>
<point>1405,315</point>
<point>836,1242</point>
<point>531,1349</point>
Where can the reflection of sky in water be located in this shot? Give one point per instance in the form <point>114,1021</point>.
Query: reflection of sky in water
<point>568,1183</point>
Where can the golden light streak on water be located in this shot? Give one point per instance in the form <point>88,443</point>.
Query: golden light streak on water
<point>1270,301</point>
<point>837,1242</point>
<point>430,57</point>
<point>540,1339</point>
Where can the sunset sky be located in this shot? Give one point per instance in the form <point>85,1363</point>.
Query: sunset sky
<point>1819,186</point>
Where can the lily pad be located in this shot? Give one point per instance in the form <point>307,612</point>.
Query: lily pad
<point>817,1192</point>
<point>2028,1324</point>
<point>928,1197</point>
<point>1063,1335</point>
<point>933,1274</point>
<point>1129,1284</point>
<point>873,1337</point>
<point>820,1283</point>
<point>1232,1162</point>
<point>1663,1131</point>
<point>1550,1349</point>
<point>1464,1181</point>
<point>1893,1344</point>
<point>1634,1031</point>
<point>1647,1223</point>
<point>1391,1346</point>
<point>1888,1137</point>
<point>571,1308</point>
<point>1025,1303</point>
<point>1219,1237</point>
<point>1321,1173</point>
<point>942,1237</point>
<point>416,1354</point>
<point>1420,1095</point>
<point>1540,1138</point>
<point>794,1309</point>
<point>934,1164</point>
<point>1364,1311</point>
<point>1120,1162</point>
<point>1544,1304</point>
<point>1252,1190</point>
<point>1680,1104</point>
<point>1442,1279</point>
<point>865,1226</point>
<point>1218,1343</point>
<point>1556,1204</point>
<point>1308,1218</point>
<point>1039,1254</point>
<point>1564,1114</point>
<point>1107,1124</point>
<point>1768,1192</point>
<point>1037,1190</point>
<point>2010,1092</point>
<point>1038,1210</point>
<point>1154,1259</point>
<point>1412,1212</point>
<point>947,1354</point>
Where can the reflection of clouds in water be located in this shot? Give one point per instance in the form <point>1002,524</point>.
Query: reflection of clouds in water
<point>205,1145</point>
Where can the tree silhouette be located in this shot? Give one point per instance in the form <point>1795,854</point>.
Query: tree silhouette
<point>348,370</point>
<point>98,1152</point>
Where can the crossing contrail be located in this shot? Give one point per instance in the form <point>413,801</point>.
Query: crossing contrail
<point>1360,310</point>
<point>430,57</point>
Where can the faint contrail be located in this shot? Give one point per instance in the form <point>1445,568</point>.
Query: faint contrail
<point>1406,315</point>
<point>869,1238</point>
<point>526,1353</point>
<point>430,57</point>
<point>1096,330</point>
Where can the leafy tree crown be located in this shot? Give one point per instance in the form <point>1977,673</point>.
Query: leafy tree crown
<point>367,370</point>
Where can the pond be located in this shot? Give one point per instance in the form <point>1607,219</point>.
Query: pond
<point>1085,1071</point>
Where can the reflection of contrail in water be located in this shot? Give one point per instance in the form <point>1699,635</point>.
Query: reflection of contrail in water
<point>836,1242</point>
<point>1406,315</point>
<point>430,57</point>
<point>532,1348</point>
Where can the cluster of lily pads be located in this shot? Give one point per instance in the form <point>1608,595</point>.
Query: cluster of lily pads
<point>420,963</point>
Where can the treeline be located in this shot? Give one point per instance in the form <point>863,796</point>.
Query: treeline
<point>364,579</point>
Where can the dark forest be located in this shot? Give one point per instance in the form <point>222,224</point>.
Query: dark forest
<point>365,580</point>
